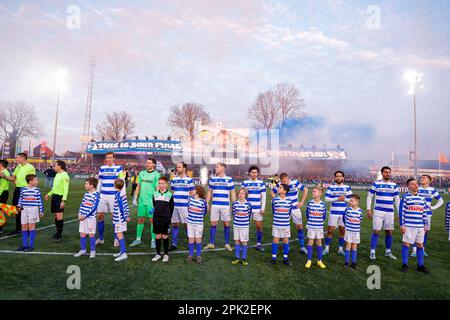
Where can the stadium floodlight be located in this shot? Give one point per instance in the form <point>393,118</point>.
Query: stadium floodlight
<point>414,78</point>
<point>59,82</point>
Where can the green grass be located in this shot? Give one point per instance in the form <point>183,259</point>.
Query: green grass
<point>26,276</point>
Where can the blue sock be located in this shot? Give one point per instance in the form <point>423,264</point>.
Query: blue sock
<point>92,241</point>
<point>405,252</point>
<point>238,251</point>
<point>347,256</point>
<point>328,241</point>
<point>83,243</point>
<point>175,235</point>
<point>420,256</point>
<point>388,242</point>
<point>274,250</point>
<point>319,252</point>
<point>259,235</point>
<point>32,238</point>
<point>25,238</point>
<point>191,249</point>
<point>199,249</point>
<point>101,229</point>
<point>354,255</point>
<point>425,239</point>
<point>212,234</point>
<point>244,252</point>
<point>285,250</point>
<point>226,233</point>
<point>301,238</point>
<point>310,252</point>
<point>122,246</point>
<point>374,242</point>
<point>341,242</point>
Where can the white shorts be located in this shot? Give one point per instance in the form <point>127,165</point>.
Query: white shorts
<point>335,220</point>
<point>220,213</point>
<point>278,232</point>
<point>297,216</point>
<point>29,215</point>
<point>180,215</point>
<point>106,203</point>
<point>315,233</point>
<point>258,216</point>
<point>194,230</point>
<point>383,220</point>
<point>429,222</point>
<point>120,227</point>
<point>88,226</point>
<point>413,235</point>
<point>352,237</point>
<point>241,234</point>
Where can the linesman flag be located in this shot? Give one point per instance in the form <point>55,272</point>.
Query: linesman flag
<point>6,210</point>
<point>442,158</point>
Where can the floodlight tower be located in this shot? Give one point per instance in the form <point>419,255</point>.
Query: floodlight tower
<point>88,110</point>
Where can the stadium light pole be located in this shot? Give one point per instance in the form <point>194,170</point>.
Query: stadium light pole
<point>60,85</point>
<point>413,78</point>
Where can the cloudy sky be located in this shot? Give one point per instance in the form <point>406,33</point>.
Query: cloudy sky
<point>347,58</point>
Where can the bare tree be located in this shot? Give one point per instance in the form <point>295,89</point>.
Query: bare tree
<point>277,105</point>
<point>265,110</point>
<point>17,120</point>
<point>116,126</point>
<point>185,117</point>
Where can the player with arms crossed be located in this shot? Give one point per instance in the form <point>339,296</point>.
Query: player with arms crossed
<point>386,193</point>
<point>108,173</point>
<point>181,186</point>
<point>338,195</point>
<point>429,193</point>
<point>294,187</point>
<point>221,188</point>
<point>146,188</point>
<point>413,220</point>
<point>257,198</point>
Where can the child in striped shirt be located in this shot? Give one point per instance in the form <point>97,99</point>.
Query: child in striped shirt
<point>447,219</point>
<point>316,212</point>
<point>282,209</point>
<point>353,216</point>
<point>197,208</point>
<point>31,207</point>
<point>242,214</point>
<point>87,217</point>
<point>121,215</point>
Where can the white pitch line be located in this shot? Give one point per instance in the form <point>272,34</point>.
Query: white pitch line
<point>45,253</point>
<point>37,229</point>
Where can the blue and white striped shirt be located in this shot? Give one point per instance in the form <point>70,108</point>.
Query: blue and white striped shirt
<point>221,188</point>
<point>89,204</point>
<point>294,187</point>
<point>242,213</point>
<point>352,219</point>
<point>256,193</point>
<point>316,213</point>
<point>385,194</point>
<point>121,211</point>
<point>413,211</point>
<point>447,217</point>
<point>282,209</point>
<point>333,193</point>
<point>196,210</point>
<point>106,177</point>
<point>31,197</point>
<point>429,194</point>
<point>181,188</point>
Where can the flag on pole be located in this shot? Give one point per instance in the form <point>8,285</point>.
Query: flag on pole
<point>442,158</point>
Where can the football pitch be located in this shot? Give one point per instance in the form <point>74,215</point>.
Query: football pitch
<point>43,274</point>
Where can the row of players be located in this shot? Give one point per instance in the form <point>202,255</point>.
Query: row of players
<point>221,189</point>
